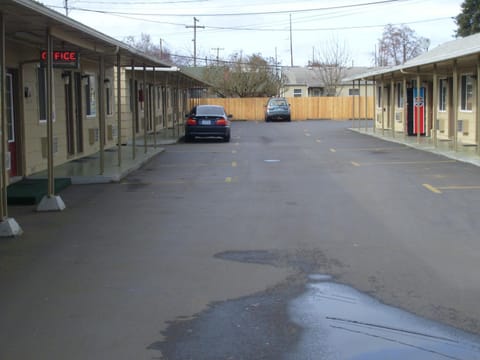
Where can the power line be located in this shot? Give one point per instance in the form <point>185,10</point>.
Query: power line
<point>244,13</point>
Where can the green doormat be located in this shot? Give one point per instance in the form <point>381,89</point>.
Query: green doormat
<point>31,191</point>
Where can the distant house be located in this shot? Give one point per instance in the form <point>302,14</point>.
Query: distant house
<point>308,82</point>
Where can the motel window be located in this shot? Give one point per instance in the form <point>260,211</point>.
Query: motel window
<point>442,95</point>
<point>90,95</point>
<point>42,93</point>
<point>399,91</point>
<point>466,93</point>
<point>297,92</point>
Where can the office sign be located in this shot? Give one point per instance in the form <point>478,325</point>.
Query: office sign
<point>62,59</point>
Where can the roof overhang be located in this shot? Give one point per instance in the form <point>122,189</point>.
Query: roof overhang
<point>28,22</point>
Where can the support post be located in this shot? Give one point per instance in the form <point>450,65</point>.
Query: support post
<point>101,110</point>
<point>119,110</point>
<point>455,105</point>
<point>135,111</point>
<point>145,110</point>
<point>435,105</point>
<point>50,202</point>
<point>382,92</point>
<point>417,124</point>
<point>154,110</point>
<point>392,106</point>
<point>8,226</point>
<point>477,110</point>
<point>405,108</point>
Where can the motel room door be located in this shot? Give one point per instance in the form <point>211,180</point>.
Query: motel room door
<point>11,107</point>
<point>416,107</point>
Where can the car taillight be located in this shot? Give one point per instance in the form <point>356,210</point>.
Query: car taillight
<point>221,122</point>
<point>191,121</point>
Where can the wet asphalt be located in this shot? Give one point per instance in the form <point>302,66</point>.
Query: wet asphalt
<point>294,241</point>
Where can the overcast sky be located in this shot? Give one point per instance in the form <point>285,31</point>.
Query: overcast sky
<point>254,26</point>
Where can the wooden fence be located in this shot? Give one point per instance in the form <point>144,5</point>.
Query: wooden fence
<point>302,108</point>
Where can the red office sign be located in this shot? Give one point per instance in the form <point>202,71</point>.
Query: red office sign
<point>63,59</point>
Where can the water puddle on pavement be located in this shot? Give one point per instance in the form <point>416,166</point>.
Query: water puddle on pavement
<point>340,322</point>
<point>309,317</point>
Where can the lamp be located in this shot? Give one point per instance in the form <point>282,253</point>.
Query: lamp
<point>85,79</point>
<point>106,82</point>
<point>66,77</point>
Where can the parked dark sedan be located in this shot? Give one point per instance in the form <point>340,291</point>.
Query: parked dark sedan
<point>207,121</point>
<point>277,109</point>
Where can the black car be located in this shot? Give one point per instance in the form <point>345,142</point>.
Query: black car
<point>277,109</point>
<point>207,121</point>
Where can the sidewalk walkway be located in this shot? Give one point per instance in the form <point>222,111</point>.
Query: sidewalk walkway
<point>463,153</point>
<point>86,170</point>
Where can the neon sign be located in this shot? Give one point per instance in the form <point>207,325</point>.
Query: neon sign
<point>64,59</point>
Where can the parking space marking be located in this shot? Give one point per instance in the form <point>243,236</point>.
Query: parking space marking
<point>354,163</point>
<point>431,188</point>
<point>318,141</point>
<point>333,150</point>
<point>234,164</point>
<point>413,162</point>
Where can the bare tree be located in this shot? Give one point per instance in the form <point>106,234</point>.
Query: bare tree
<point>146,45</point>
<point>331,63</point>
<point>244,76</point>
<point>399,44</point>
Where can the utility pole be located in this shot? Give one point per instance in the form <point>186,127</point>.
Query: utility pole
<point>291,42</point>
<point>66,7</point>
<point>195,26</point>
<point>218,50</point>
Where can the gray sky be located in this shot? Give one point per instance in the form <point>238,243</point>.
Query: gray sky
<point>253,26</point>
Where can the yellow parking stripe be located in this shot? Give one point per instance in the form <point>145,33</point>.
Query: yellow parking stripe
<point>432,188</point>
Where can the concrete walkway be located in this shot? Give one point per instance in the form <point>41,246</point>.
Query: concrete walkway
<point>464,153</point>
<point>87,170</point>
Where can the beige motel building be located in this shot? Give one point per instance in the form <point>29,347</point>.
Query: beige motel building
<point>433,97</point>
<point>69,91</point>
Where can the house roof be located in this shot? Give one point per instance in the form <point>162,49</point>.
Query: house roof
<point>310,77</point>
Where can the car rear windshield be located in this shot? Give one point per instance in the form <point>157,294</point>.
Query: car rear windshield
<point>278,103</point>
<point>210,110</point>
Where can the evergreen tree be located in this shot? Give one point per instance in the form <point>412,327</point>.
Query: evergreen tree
<point>468,21</point>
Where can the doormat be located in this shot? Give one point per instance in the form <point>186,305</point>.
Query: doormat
<point>31,191</point>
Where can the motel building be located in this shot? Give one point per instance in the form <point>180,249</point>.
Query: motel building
<point>68,91</point>
<point>433,97</point>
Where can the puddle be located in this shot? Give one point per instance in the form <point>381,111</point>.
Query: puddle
<point>309,317</point>
<point>340,322</point>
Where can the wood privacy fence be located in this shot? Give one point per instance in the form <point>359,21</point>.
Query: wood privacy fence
<point>302,108</point>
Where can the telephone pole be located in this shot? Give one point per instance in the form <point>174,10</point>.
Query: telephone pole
<point>195,26</point>
<point>66,7</point>
<point>218,50</point>
<point>291,42</point>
